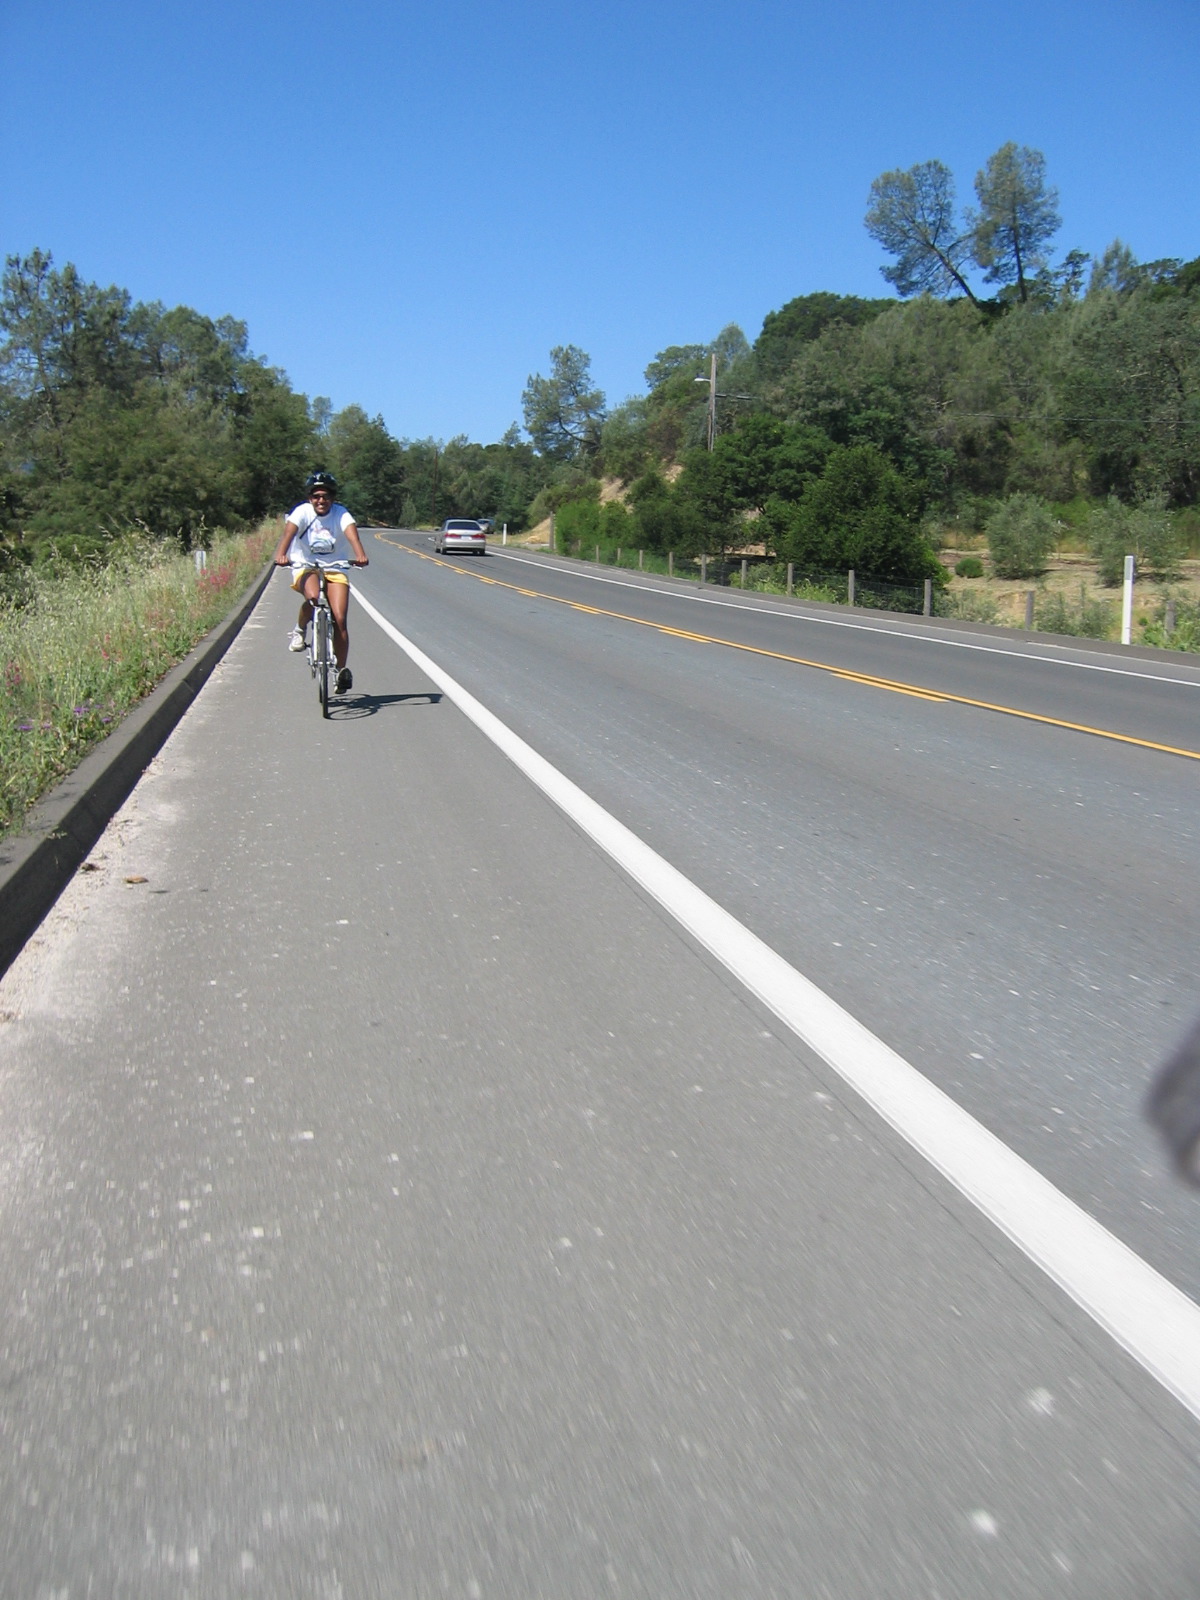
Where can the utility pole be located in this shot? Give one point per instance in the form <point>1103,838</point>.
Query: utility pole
<point>710,430</point>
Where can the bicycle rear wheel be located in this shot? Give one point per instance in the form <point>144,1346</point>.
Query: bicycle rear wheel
<point>323,655</point>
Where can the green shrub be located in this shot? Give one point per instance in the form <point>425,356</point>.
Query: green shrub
<point>577,522</point>
<point>969,567</point>
<point>1086,619</point>
<point>1147,531</point>
<point>859,513</point>
<point>1156,542</point>
<point>809,589</point>
<point>1186,633</point>
<point>1021,534</point>
<point>663,519</point>
<point>616,524</point>
<point>770,577</point>
<point>1187,527</point>
<point>764,577</point>
<point>1109,539</point>
<point>967,605</point>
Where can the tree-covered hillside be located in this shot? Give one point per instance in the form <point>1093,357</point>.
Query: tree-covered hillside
<point>1001,384</point>
<point>116,415</point>
<point>1076,385</point>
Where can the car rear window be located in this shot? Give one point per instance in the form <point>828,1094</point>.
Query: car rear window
<point>463,527</point>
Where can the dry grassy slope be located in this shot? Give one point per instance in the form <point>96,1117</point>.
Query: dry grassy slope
<point>1064,574</point>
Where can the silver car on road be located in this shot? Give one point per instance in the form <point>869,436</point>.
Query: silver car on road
<point>460,533</point>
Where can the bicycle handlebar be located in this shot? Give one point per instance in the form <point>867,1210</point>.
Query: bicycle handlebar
<point>316,566</point>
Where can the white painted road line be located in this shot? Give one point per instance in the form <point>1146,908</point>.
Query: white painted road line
<point>892,630</point>
<point>1157,1324</point>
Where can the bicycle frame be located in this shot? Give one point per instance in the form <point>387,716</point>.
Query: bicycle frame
<point>321,660</point>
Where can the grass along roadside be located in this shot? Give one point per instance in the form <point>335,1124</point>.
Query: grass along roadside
<point>80,648</point>
<point>1069,598</point>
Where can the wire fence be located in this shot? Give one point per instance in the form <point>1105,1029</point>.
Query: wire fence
<point>1173,624</point>
<point>763,576</point>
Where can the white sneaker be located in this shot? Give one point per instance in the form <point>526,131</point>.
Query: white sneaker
<point>295,640</point>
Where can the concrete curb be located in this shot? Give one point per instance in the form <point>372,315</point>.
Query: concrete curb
<point>37,862</point>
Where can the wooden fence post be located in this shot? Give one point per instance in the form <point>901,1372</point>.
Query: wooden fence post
<point>1127,601</point>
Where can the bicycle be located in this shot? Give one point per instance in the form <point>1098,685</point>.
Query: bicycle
<point>319,647</point>
<point>321,662</point>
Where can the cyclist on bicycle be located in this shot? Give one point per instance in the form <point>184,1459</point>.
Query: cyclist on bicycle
<point>322,533</point>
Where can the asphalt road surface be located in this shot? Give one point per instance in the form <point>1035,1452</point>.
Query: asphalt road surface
<point>399,1202</point>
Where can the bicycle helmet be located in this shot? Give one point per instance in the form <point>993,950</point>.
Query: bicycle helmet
<point>320,479</point>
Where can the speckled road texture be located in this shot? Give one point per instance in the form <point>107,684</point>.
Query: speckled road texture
<point>397,1204</point>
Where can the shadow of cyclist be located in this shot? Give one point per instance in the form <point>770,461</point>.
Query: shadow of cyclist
<point>1173,1105</point>
<point>346,707</point>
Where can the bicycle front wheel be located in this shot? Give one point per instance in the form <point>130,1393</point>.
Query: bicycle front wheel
<point>323,655</point>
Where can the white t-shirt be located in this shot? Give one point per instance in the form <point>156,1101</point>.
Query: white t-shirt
<point>320,541</point>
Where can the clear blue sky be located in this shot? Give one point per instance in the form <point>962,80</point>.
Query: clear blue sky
<point>410,202</point>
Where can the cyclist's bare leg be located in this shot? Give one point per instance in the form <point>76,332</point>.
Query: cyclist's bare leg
<point>311,589</point>
<point>339,601</point>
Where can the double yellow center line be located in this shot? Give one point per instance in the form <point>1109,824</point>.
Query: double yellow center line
<point>916,691</point>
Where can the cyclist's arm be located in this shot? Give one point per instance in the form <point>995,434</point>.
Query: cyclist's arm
<point>361,559</point>
<point>290,531</point>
